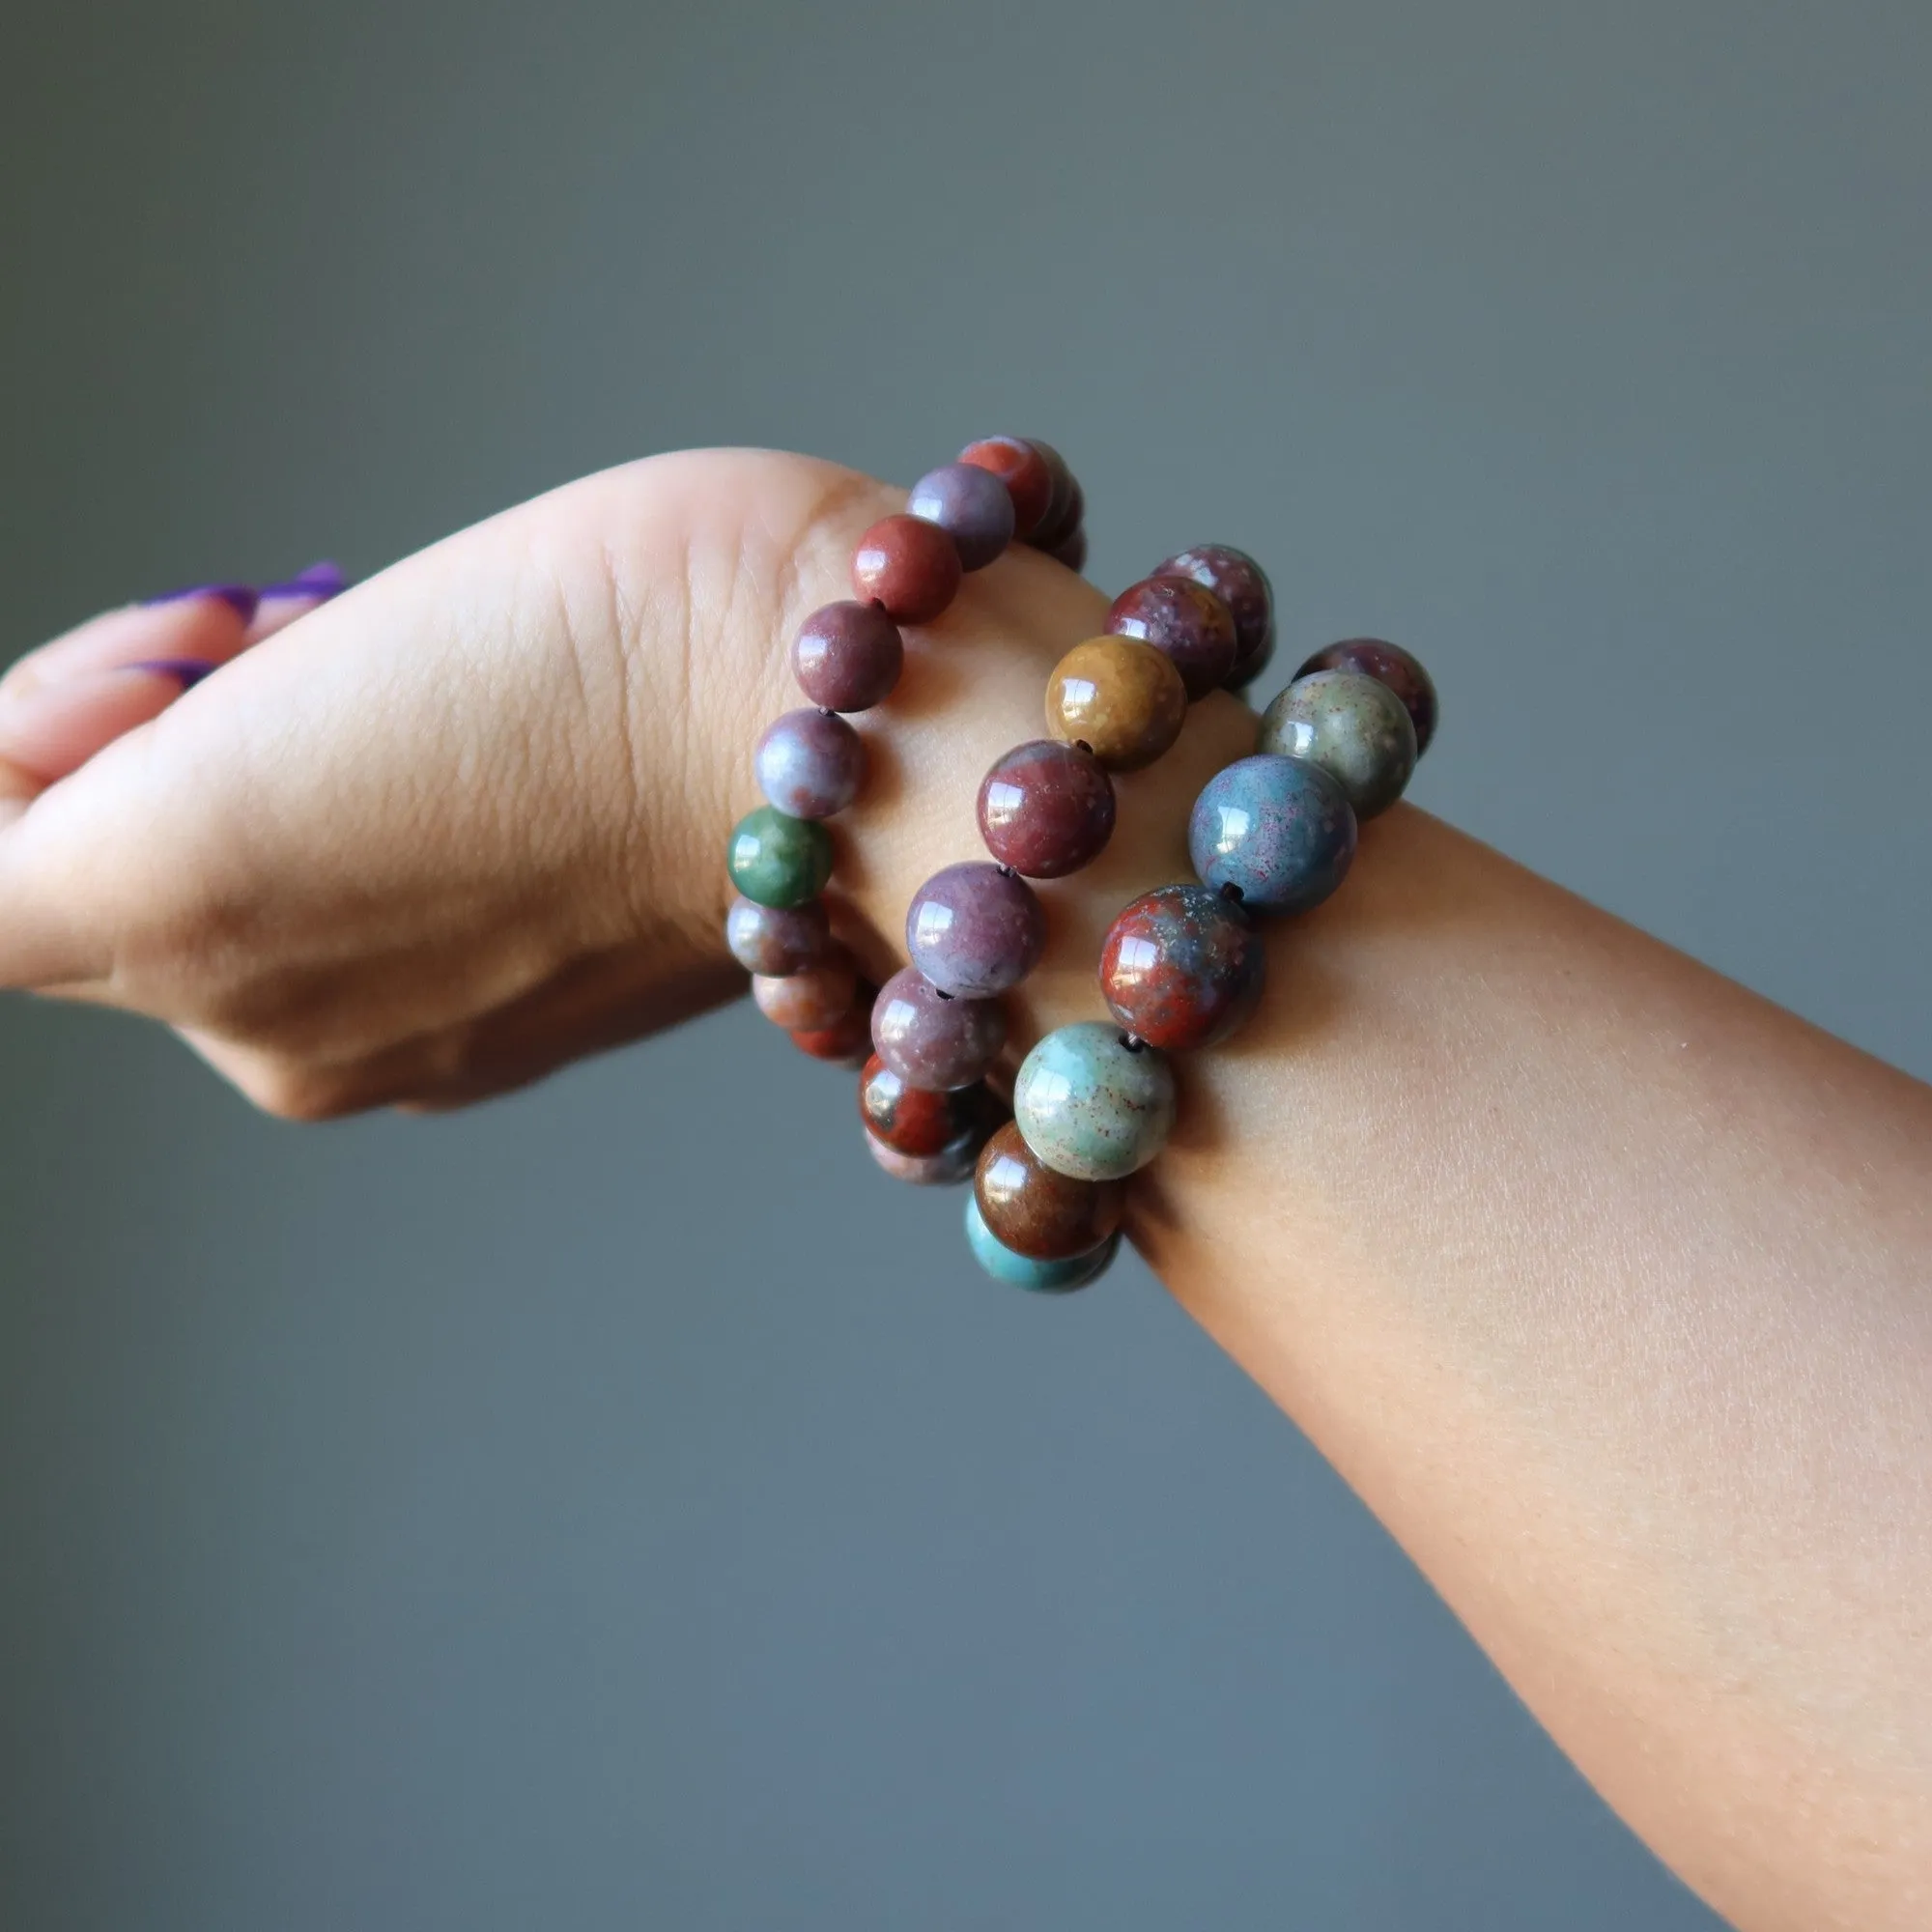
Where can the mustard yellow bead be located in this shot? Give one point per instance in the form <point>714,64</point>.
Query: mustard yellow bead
<point>1121,699</point>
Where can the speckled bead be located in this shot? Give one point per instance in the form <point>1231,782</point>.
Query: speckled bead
<point>974,930</point>
<point>951,1165</point>
<point>1187,620</point>
<point>810,763</point>
<point>848,657</point>
<point>1043,1277</point>
<point>916,1120</point>
<point>764,940</point>
<point>1181,968</point>
<point>1243,586</point>
<point>808,1001</point>
<point>971,505</point>
<point>1046,809</point>
<point>848,1039</point>
<point>1350,724</point>
<point>1278,832</point>
<point>1091,1105</point>
<point>1037,1212</point>
<point>1023,469</point>
<point>908,566</point>
<point>1390,665</point>
<point>1120,697</point>
<point>929,1041</point>
<point>776,859</point>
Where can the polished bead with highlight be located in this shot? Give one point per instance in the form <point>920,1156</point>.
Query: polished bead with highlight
<point>1277,833</point>
<point>774,942</point>
<point>1023,469</point>
<point>848,657</point>
<point>810,763</point>
<point>1243,586</point>
<point>909,567</point>
<point>1037,1212</point>
<point>951,1165</point>
<point>929,1041</point>
<point>916,1120</point>
<point>1181,968</point>
<point>1061,1277</point>
<point>1350,724</point>
<point>848,1039</point>
<point>971,505</point>
<point>808,1001</point>
<point>1046,809</point>
<point>776,859</point>
<point>1187,620</point>
<point>1120,697</point>
<point>1390,665</point>
<point>1093,1104</point>
<point>974,930</point>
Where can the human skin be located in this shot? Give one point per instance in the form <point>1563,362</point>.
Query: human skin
<point>1603,1281</point>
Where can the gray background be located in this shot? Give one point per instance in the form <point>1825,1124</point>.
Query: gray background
<point>615,1507</point>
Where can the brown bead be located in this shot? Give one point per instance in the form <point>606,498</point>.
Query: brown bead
<point>1037,1212</point>
<point>819,996</point>
<point>1120,697</point>
<point>848,1039</point>
<point>909,566</point>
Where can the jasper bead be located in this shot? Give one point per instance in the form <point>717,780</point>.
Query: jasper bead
<point>1350,724</point>
<point>1244,586</point>
<point>907,565</point>
<point>779,861</point>
<point>810,763</point>
<point>1390,665</point>
<point>974,930</point>
<point>951,1164</point>
<point>1036,1211</point>
<point>929,1041</point>
<point>1279,831</point>
<point>848,1039</point>
<point>1091,1106</point>
<point>1067,509</point>
<point>1181,968</point>
<point>1120,697</point>
<point>1071,551</point>
<point>848,657</point>
<point>1023,469</point>
<point>916,1120</point>
<point>1046,809</point>
<point>809,1001</point>
<point>971,505</point>
<point>1187,620</point>
<point>765,940</point>
<point>999,1262</point>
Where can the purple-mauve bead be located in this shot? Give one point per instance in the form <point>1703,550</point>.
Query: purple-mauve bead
<point>1072,551</point>
<point>1244,586</point>
<point>974,930</point>
<point>971,505</point>
<point>929,1041</point>
<point>810,763</point>
<point>1046,809</point>
<point>1191,623</point>
<point>1390,665</point>
<point>766,941</point>
<point>848,657</point>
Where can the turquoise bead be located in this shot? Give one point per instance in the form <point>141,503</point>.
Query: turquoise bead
<point>1043,1277</point>
<point>1093,1106</point>
<point>779,861</point>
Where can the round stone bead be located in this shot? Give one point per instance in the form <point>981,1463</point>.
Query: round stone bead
<point>1071,551</point>
<point>1244,586</point>
<point>848,657</point>
<point>929,1041</point>
<point>971,505</point>
<point>810,763</point>
<point>776,859</point>
<point>1067,507</point>
<point>909,566</point>
<point>1038,1213</point>
<point>1043,1277</point>
<point>1181,968</point>
<point>974,930</point>
<point>809,1001</point>
<point>1187,620</point>
<point>774,942</point>
<point>1091,1105</point>
<point>1023,469</point>
<point>1350,724</point>
<point>951,1164</point>
<point>1277,832</point>
<point>1390,665</point>
<point>1046,809</point>
<point>848,1039</point>
<point>916,1120</point>
<point>1120,697</point>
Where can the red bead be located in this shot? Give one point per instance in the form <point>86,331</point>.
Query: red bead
<point>1046,809</point>
<point>909,566</point>
<point>1390,665</point>
<point>847,1040</point>
<point>1181,968</point>
<point>1242,584</point>
<point>1187,620</point>
<point>1023,469</point>
<point>848,657</point>
<point>914,1119</point>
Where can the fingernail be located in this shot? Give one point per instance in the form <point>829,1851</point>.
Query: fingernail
<point>319,581</point>
<point>240,597</point>
<point>188,672</point>
<point>52,730</point>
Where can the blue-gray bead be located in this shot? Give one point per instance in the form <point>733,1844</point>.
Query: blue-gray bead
<point>1350,724</point>
<point>1279,831</point>
<point>1060,1277</point>
<point>1091,1105</point>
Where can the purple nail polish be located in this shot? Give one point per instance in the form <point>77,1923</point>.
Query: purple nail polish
<point>238,596</point>
<point>188,672</point>
<point>321,581</point>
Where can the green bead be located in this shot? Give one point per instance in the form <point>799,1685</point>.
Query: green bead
<point>777,861</point>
